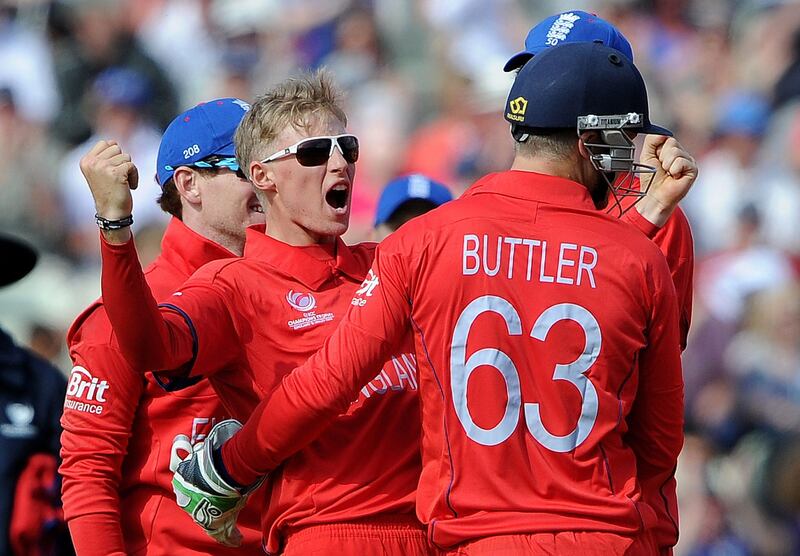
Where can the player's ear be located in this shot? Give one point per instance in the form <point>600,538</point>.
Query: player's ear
<point>262,176</point>
<point>187,184</point>
<point>586,137</point>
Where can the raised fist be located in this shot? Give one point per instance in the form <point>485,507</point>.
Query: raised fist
<point>111,175</point>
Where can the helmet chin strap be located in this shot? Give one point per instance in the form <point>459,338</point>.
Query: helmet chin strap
<point>613,157</point>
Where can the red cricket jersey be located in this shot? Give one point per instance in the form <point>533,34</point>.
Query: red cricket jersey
<point>123,434</point>
<point>549,366</point>
<point>674,239</point>
<point>245,324</point>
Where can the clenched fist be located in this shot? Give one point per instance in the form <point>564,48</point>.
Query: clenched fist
<point>111,175</point>
<point>676,171</point>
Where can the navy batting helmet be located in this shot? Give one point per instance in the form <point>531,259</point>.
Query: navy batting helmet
<point>570,81</point>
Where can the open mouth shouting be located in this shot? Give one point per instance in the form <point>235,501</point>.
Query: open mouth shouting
<point>338,197</point>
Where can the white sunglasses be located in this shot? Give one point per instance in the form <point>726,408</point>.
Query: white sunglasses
<point>315,151</point>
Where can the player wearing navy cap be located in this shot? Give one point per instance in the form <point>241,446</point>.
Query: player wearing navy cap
<point>123,434</point>
<point>405,198</point>
<point>659,219</point>
<point>546,336</point>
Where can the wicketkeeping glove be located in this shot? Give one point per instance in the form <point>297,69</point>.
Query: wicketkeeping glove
<point>204,494</point>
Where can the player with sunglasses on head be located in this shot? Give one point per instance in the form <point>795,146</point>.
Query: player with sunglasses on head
<point>124,434</point>
<point>656,213</point>
<point>245,323</point>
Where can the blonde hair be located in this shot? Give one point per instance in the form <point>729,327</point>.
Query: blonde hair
<point>296,102</point>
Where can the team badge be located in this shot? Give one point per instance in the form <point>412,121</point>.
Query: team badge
<point>303,302</point>
<point>518,106</point>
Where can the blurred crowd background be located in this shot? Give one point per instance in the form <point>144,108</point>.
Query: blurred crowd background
<point>425,93</point>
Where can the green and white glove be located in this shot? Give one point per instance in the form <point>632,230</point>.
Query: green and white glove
<point>204,494</point>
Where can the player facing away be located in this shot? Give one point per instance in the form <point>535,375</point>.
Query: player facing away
<point>669,229</point>
<point>546,335</point>
<point>245,323</point>
<point>124,434</point>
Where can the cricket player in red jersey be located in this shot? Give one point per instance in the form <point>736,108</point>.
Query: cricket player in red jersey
<point>546,334</point>
<point>245,323</point>
<point>123,434</point>
<point>672,234</point>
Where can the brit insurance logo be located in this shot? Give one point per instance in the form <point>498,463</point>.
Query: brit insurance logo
<point>85,392</point>
<point>303,302</point>
<point>366,289</point>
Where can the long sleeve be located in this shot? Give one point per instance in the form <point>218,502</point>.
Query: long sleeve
<point>148,338</point>
<point>310,397</point>
<point>675,241</point>
<point>96,425</point>
<point>656,420</point>
<point>191,332</point>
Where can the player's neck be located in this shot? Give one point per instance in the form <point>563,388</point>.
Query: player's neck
<point>291,233</point>
<point>232,242</point>
<point>566,169</point>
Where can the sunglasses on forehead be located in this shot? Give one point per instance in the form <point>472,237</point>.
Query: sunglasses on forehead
<point>315,151</point>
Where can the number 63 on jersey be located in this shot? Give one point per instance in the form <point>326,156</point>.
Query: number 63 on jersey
<point>462,367</point>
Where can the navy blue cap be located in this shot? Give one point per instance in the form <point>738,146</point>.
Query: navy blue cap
<point>122,87</point>
<point>577,79</point>
<point>569,27</point>
<point>406,188</point>
<point>202,131</point>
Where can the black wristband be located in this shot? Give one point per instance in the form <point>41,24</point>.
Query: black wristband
<point>105,224</point>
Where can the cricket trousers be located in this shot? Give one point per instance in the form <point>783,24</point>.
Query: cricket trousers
<point>557,544</point>
<point>401,537</point>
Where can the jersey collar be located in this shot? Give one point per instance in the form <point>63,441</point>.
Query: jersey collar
<point>187,250</point>
<point>533,187</point>
<point>312,265</point>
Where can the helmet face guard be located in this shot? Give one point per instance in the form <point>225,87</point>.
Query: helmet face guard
<point>613,157</point>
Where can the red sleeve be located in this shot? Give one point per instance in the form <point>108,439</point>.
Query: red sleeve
<point>656,419</point>
<point>190,332</point>
<point>97,425</point>
<point>311,396</point>
<point>675,241</point>
<point>632,216</point>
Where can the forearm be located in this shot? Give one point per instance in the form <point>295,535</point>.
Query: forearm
<point>93,519</point>
<point>655,211</point>
<point>97,534</point>
<point>148,339</point>
<point>644,218</point>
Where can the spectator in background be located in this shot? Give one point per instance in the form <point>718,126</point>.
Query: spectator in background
<point>26,69</point>
<point>97,38</point>
<point>118,98</point>
<point>764,358</point>
<point>730,178</point>
<point>31,394</point>
<point>780,198</point>
<point>404,199</point>
<point>726,285</point>
<point>29,201</point>
<point>469,137</point>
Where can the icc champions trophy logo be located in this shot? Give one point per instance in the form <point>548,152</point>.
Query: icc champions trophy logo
<point>303,302</point>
